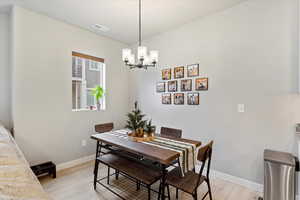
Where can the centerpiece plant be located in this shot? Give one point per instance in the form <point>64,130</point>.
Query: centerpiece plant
<point>137,124</point>
<point>150,129</point>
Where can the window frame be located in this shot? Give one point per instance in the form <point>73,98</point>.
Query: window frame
<point>93,69</point>
<point>102,81</point>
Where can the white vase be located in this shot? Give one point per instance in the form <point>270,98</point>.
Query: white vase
<point>98,106</point>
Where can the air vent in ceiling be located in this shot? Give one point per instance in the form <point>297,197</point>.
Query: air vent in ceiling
<point>99,27</point>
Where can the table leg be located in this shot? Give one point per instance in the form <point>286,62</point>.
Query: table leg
<point>163,181</point>
<point>54,172</point>
<point>97,149</point>
<point>96,173</point>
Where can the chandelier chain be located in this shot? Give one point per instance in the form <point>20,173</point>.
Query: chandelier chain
<point>140,23</point>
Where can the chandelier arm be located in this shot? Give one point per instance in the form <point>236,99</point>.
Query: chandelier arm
<point>146,66</point>
<point>139,66</point>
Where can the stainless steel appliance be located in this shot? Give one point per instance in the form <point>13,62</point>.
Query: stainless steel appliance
<point>279,175</point>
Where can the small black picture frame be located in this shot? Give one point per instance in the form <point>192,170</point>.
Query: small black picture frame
<point>186,85</point>
<point>160,87</point>
<point>178,99</point>
<point>193,70</point>
<point>172,86</point>
<point>166,98</point>
<point>193,98</point>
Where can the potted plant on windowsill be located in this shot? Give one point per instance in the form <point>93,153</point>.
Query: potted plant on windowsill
<point>98,93</point>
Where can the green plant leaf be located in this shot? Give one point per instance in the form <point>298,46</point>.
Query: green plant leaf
<point>97,92</point>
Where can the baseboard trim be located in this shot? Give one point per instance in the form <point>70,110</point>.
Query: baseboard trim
<point>236,180</point>
<point>73,163</point>
<point>240,181</point>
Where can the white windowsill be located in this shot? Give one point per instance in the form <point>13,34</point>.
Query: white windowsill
<point>87,110</point>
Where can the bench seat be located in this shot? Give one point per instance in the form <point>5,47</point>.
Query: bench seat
<point>134,169</point>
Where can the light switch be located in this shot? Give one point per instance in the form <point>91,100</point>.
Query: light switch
<point>83,143</point>
<point>241,108</point>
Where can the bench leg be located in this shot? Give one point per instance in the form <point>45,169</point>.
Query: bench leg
<point>96,173</point>
<point>138,185</point>
<point>176,193</point>
<point>108,174</point>
<point>195,195</point>
<point>149,192</point>
<point>117,175</point>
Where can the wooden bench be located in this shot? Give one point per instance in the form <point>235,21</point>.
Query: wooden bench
<point>130,168</point>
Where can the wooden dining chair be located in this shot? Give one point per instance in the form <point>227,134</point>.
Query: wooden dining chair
<point>191,181</point>
<point>102,128</point>
<point>171,132</point>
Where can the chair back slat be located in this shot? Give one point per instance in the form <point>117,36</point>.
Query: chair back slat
<point>204,152</point>
<point>102,128</point>
<point>171,132</point>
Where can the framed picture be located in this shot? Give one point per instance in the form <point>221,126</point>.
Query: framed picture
<point>166,74</point>
<point>160,87</point>
<point>193,98</point>
<point>166,99</point>
<point>186,85</point>
<point>172,86</point>
<point>179,98</point>
<point>193,70</point>
<point>179,72</point>
<point>201,84</point>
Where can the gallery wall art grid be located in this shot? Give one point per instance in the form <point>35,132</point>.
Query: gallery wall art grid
<point>178,86</point>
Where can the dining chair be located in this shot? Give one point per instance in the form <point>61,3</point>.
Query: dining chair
<point>102,128</point>
<point>192,180</point>
<point>171,132</point>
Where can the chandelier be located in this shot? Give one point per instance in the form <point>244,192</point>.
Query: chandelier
<point>143,59</point>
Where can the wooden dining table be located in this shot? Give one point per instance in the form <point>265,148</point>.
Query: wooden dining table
<point>164,157</point>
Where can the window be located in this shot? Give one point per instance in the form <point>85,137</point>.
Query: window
<point>87,73</point>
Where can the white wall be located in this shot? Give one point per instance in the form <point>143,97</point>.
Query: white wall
<point>249,52</point>
<point>45,126</point>
<point>5,71</point>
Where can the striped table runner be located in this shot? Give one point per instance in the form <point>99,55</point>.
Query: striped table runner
<point>187,150</point>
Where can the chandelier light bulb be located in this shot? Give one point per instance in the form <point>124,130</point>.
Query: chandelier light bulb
<point>126,53</point>
<point>147,60</point>
<point>131,59</point>
<point>142,52</point>
<point>154,56</point>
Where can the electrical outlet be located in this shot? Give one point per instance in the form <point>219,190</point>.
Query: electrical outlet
<point>83,143</point>
<point>241,108</point>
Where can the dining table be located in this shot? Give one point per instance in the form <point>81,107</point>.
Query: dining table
<point>164,156</point>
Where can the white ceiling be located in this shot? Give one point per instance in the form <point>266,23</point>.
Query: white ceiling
<point>121,16</point>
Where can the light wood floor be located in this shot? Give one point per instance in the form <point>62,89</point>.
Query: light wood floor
<point>77,184</point>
